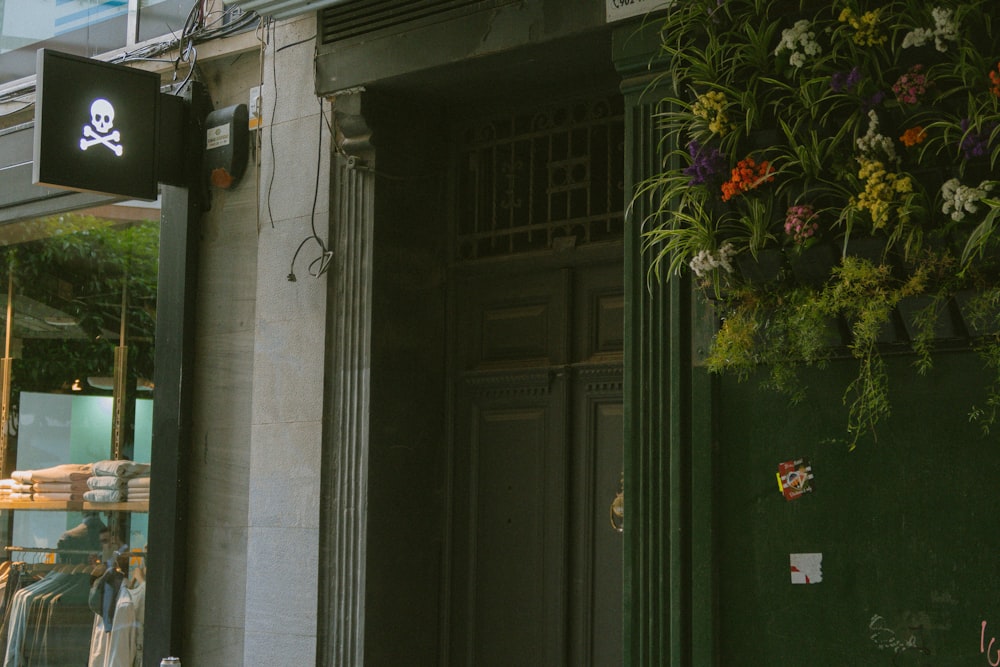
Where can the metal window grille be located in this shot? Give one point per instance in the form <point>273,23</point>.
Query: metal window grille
<point>535,180</point>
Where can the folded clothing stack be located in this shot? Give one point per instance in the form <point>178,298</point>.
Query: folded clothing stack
<point>59,490</point>
<point>109,480</point>
<point>138,488</point>
<point>12,489</point>
<point>62,482</point>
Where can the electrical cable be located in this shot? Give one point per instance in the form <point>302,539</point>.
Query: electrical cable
<point>318,266</point>
<point>192,53</point>
<point>301,41</point>
<point>270,134</point>
<point>261,34</point>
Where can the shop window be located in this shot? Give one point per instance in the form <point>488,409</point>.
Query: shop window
<point>78,313</point>
<point>81,27</point>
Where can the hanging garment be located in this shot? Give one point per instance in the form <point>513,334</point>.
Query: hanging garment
<point>122,646</point>
<point>30,603</point>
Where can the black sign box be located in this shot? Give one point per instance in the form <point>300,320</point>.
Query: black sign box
<point>95,126</point>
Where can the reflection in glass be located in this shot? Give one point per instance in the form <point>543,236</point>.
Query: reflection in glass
<point>79,314</point>
<point>81,27</point>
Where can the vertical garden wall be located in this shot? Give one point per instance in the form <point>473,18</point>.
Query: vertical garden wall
<point>812,325</point>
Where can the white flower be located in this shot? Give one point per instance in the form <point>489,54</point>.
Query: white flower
<point>961,199</point>
<point>917,37</point>
<point>706,261</point>
<point>873,142</point>
<point>800,42</point>
<point>945,30</point>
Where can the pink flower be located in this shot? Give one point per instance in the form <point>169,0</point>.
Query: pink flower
<point>800,223</point>
<point>910,87</point>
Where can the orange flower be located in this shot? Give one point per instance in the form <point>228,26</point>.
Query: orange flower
<point>995,78</point>
<point>913,136</point>
<point>747,175</point>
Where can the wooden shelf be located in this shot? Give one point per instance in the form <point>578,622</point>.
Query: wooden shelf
<point>74,506</point>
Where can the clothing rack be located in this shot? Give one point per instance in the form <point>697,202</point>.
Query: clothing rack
<point>72,552</point>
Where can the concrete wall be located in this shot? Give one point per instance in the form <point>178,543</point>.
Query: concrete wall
<point>220,460</point>
<point>289,339</point>
<point>259,378</point>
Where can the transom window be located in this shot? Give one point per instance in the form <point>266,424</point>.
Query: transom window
<point>538,179</point>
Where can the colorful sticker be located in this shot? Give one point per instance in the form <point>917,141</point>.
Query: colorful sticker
<point>795,478</point>
<point>806,568</point>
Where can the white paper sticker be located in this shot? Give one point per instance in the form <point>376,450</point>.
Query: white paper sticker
<point>623,9</point>
<point>806,568</point>
<point>218,137</point>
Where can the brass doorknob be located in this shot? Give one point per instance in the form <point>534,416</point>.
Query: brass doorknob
<point>618,509</point>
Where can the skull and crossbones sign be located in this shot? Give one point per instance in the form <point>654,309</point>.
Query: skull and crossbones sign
<point>102,119</point>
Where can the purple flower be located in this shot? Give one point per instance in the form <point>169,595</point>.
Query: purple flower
<point>975,144</point>
<point>705,164</point>
<point>843,81</point>
<point>873,101</point>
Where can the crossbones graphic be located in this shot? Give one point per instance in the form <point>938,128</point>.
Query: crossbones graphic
<point>102,117</point>
<point>106,139</point>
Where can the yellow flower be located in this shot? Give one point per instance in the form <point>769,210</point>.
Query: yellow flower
<point>712,107</point>
<point>865,26</point>
<point>880,196</point>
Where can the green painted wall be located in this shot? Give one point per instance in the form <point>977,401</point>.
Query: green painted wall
<point>905,524</point>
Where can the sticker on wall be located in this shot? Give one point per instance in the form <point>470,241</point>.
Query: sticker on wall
<point>795,478</point>
<point>806,568</point>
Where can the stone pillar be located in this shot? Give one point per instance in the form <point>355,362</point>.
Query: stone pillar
<point>344,487</point>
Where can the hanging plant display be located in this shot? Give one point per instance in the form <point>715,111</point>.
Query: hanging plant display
<point>857,141</point>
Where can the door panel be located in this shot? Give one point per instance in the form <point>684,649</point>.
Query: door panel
<point>512,528</point>
<point>536,566</point>
<point>507,322</point>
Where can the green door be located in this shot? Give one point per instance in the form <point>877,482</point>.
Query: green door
<point>536,563</point>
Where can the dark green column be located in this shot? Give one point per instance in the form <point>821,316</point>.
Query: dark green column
<point>669,583</point>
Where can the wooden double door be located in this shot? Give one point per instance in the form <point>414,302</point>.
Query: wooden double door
<point>536,564</point>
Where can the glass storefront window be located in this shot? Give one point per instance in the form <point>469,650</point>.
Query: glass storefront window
<point>78,314</point>
<point>81,27</point>
<point>162,17</point>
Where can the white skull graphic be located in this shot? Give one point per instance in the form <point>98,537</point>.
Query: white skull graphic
<point>102,115</point>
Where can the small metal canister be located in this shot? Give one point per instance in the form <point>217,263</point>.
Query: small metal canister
<point>170,662</point>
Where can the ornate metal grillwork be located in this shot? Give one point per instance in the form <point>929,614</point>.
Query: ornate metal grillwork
<point>541,179</point>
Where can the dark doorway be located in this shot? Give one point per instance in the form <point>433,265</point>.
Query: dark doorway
<point>496,385</point>
<point>536,565</point>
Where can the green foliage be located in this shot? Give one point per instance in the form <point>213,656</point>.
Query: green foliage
<point>81,267</point>
<point>865,114</point>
